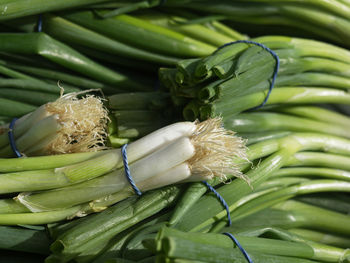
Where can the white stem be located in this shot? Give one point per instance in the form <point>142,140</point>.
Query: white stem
<point>36,133</point>
<point>177,152</point>
<point>23,124</point>
<point>40,148</point>
<point>42,129</point>
<point>172,176</point>
<point>33,118</point>
<point>157,139</point>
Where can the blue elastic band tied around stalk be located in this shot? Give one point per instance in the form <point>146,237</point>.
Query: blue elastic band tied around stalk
<point>239,246</point>
<point>40,23</point>
<point>277,65</point>
<point>12,138</point>
<point>221,199</point>
<point>223,202</point>
<point>127,170</point>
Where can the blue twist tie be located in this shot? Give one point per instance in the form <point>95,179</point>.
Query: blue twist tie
<point>12,138</point>
<point>239,246</point>
<point>40,23</point>
<point>277,65</point>
<point>127,170</point>
<point>221,199</point>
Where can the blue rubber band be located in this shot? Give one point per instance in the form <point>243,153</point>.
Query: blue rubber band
<point>221,199</point>
<point>277,65</point>
<point>40,23</point>
<point>12,138</point>
<point>127,170</point>
<point>239,246</point>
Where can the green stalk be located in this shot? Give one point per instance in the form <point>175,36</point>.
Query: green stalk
<point>223,54</point>
<point>180,248</point>
<point>58,177</point>
<point>69,32</point>
<point>125,118</point>
<point>286,15</point>
<point>291,65</point>
<point>25,240</point>
<point>137,101</point>
<point>270,199</point>
<point>19,8</point>
<point>255,137</point>
<point>118,245</point>
<point>277,183</point>
<point>119,62</point>
<point>317,218</point>
<point>230,32</point>
<point>336,174</point>
<point>44,162</point>
<point>291,218</point>
<point>338,202</point>
<point>313,79</point>
<point>195,31</point>
<point>39,218</point>
<point>325,238</point>
<point>33,85</point>
<point>285,95</point>
<point>294,248</point>
<point>12,73</point>
<point>61,76</point>
<point>28,96</point>
<point>306,47</point>
<point>316,113</point>
<point>187,200</point>
<point>268,121</point>
<point>30,60</point>
<point>42,44</point>
<point>116,219</point>
<point>338,25</point>
<point>12,108</point>
<point>320,160</point>
<point>139,33</point>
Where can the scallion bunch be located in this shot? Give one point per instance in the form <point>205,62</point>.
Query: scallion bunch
<point>54,188</point>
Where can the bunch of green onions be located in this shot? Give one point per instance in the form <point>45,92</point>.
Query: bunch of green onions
<point>66,125</point>
<point>217,85</point>
<point>53,188</point>
<point>283,168</point>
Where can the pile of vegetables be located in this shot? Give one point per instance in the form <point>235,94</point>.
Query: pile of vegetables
<point>153,131</point>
